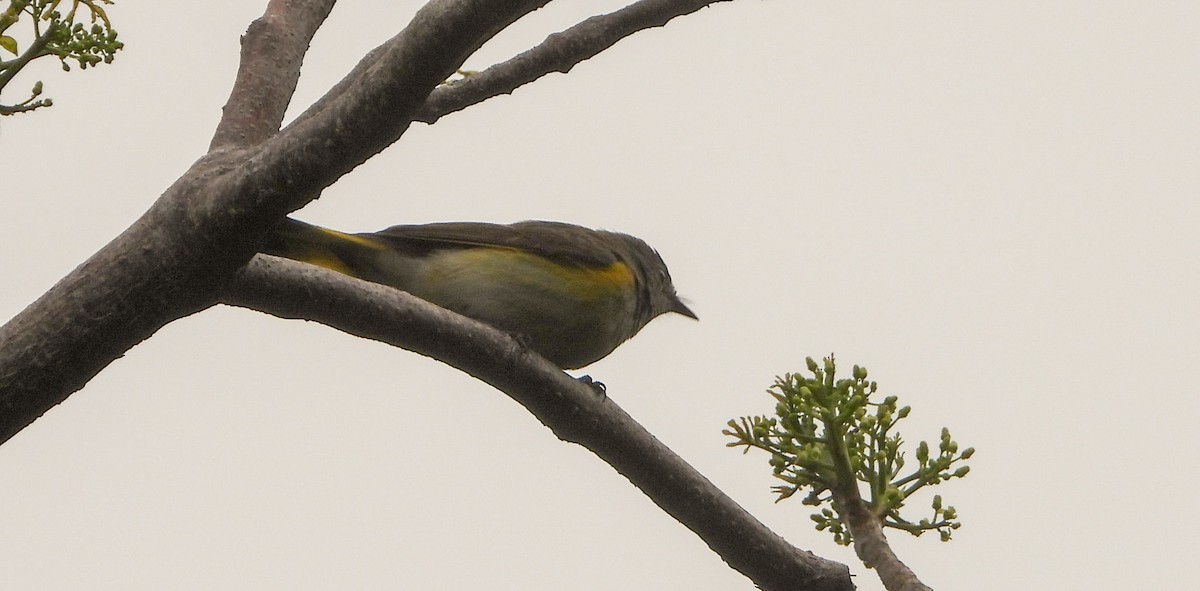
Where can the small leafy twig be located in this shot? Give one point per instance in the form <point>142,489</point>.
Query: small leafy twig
<point>54,34</point>
<point>830,439</point>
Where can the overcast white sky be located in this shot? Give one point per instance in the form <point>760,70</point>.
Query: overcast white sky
<point>992,206</point>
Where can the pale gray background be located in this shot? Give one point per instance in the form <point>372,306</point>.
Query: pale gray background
<point>990,205</point>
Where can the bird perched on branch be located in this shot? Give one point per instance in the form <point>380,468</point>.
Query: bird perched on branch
<point>571,293</point>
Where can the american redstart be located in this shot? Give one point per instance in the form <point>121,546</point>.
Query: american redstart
<point>570,293</point>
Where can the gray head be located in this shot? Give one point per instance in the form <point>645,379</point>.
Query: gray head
<point>656,293</point>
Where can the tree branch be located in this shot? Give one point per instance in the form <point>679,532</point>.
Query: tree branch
<point>573,411</point>
<point>558,53</point>
<point>173,260</point>
<point>870,543</point>
<point>273,49</point>
<point>392,57</point>
<point>184,255</point>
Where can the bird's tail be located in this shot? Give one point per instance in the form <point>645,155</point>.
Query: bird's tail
<point>337,251</point>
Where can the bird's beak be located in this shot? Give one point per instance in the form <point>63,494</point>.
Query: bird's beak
<point>679,307</point>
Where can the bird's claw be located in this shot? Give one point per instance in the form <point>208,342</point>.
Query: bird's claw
<point>596,386</point>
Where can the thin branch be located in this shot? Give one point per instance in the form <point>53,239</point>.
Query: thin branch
<point>272,52</point>
<point>870,543</point>
<point>386,60</point>
<point>374,104</point>
<point>573,411</point>
<point>558,53</point>
<point>13,67</point>
<point>866,528</point>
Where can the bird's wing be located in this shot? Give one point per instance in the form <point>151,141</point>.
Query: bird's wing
<point>565,243</point>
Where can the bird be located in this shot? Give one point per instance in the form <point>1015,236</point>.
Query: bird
<point>570,293</point>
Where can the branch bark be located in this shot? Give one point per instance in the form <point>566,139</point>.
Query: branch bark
<point>870,544</point>
<point>572,410</point>
<point>174,259</point>
<point>190,251</point>
<point>273,50</point>
<point>558,53</point>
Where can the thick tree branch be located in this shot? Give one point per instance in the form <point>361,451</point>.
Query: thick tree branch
<point>391,57</point>
<point>558,53</point>
<point>174,259</point>
<point>374,105</point>
<point>184,254</point>
<point>273,49</point>
<point>573,411</point>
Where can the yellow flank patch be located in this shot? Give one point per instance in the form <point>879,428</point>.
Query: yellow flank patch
<point>506,266</point>
<point>580,282</point>
<point>599,281</point>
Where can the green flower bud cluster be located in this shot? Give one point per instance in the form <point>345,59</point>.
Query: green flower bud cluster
<point>52,33</point>
<point>829,435</point>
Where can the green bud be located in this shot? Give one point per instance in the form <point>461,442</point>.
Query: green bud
<point>860,373</point>
<point>812,365</point>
